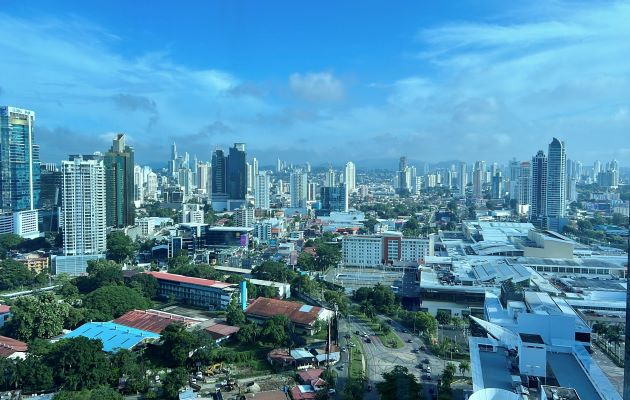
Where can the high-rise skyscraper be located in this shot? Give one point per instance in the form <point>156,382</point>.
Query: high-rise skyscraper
<point>172,165</point>
<point>219,195</point>
<point>299,189</point>
<point>236,176</point>
<point>515,170</point>
<point>539,188</point>
<point>119,181</point>
<point>479,178</point>
<point>556,184</point>
<point>525,187</point>
<point>83,214</point>
<point>138,183</point>
<point>229,178</point>
<point>262,188</point>
<point>334,198</point>
<point>497,185</point>
<point>462,174</point>
<point>203,178</point>
<point>350,177</point>
<point>403,177</point>
<point>20,177</point>
<point>331,178</point>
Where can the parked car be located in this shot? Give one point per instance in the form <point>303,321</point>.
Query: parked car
<point>427,376</point>
<point>426,361</point>
<point>409,341</point>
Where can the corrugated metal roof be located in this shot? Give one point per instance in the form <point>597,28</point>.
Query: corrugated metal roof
<point>114,336</point>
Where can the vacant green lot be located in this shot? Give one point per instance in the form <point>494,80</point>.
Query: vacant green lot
<point>389,339</point>
<point>355,368</point>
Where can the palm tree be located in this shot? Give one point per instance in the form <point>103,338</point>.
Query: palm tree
<point>368,309</point>
<point>464,367</point>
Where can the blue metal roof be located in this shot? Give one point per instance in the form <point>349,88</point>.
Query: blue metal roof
<point>114,336</point>
<point>306,308</point>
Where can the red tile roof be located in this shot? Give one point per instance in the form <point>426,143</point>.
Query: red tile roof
<point>298,394</point>
<point>301,314</point>
<point>218,331</point>
<point>165,276</point>
<point>152,320</point>
<point>306,377</point>
<point>9,346</point>
<point>4,309</point>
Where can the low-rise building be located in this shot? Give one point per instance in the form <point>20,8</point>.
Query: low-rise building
<point>221,332</point>
<point>36,262</point>
<point>12,348</point>
<point>198,292</point>
<point>388,248</point>
<point>303,316</point>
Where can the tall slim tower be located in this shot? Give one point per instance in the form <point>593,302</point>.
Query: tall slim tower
<point>539,187</point>
<point>19,161</point>
<point>299,189</point>
<point>556,184</point>
<point>83,213</point>
<point>350,176</point>
<point>331,178</point>
<point>262,186</point>
<point>119,183</point>
<point>525,184</point>
<point>236,176</point>
<point>463,178</point>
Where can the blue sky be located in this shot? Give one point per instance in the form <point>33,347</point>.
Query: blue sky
<point>322,81</point>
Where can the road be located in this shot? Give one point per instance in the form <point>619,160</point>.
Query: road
<point>382,359</point>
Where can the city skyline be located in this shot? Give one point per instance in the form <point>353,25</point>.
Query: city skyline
<point>449,79</point>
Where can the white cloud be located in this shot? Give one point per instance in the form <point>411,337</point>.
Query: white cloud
<point>316,86</point>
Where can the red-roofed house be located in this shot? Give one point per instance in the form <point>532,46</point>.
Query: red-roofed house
<point>5,313</point>
<point>221,332</point>
<point>198,292</point>
<point>303,316</point>
<point>152,320</point>
<point>12,348</point>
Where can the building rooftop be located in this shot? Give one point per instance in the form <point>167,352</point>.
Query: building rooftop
<point>152,320</point>
<point>114,336</point>
<point>165,276</point>
<point>4,309</point>
<point>301,314</point>
<point>220,331</point>
<point>8,346</point>
<point>561,392</point>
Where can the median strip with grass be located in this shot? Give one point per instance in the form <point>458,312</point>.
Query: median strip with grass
<point>389,338</point>
<point>355,366</point>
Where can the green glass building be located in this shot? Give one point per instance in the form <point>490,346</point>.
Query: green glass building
<point>119,184</point>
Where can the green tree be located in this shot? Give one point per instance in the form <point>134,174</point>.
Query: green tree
<point>178,344</point>
<point>306,262</point>
<point>175,380</point>
<point>327,256</point>
<point>79,363</point>
<point>443,317</point>
<point>127,366</point>
<point>40,316</point>
<point>120,247</point>
<point>464,367</point>
<point>15,275</point>
<point>115,300</point>
<point>619,219</point>
<point>274,271</point>
<point>100,393</point>
<point>234,313</point>
<point>370,223</point>
<point>9,241</point>
<point>146,284</point>
<point>278,331</point>
<point>399,384</point>
<point>339,299</point>
<point>248,333</point>
<point>448,376</point>
<point>584,225</point>
<point>35,375</point>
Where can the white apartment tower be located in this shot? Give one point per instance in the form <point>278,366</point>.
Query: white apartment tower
<point>261,190</point>
<point>350,177</point>
<point>82,216</point>
<point>299,189</point>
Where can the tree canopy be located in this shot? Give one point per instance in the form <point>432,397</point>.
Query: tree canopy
<point>399,384</point>
<point>274,271</point>
<point>40,316</point>
<point>115,300</point>
<point>120,247</point>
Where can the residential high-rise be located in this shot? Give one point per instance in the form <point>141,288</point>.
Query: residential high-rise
<point>556,184</point>
<point>219,195</point>
<point>497,185</point>
<point>299,189</point>
<point>539,187</point>
<point>515,170</point>
<point>50,198</point>
<point>83,214</point>
<point>403,177</point>
<point>138,183</point>
<point>479,177</point>
<point>525,187</point>
<point>119,183</point>
<point>20,177</point>
<point>462,174</point>
<point>262,187</point>
<point>203,179</point>
<point>331,178</point>
<point>152,186</point>
<point>350,176</point>
<point>172,165</point>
